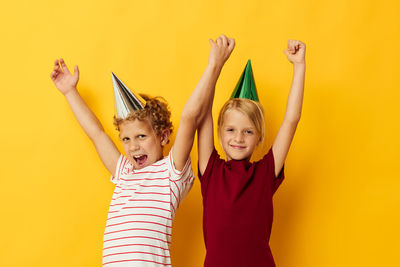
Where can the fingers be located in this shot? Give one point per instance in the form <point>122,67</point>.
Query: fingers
<point>56,70</point>
<point>76,71</point>
<point>224,40</point>
<point>64,66</point>
<point>221,49</point>
<point>302,45</point>
<point>53,75</point>
<point>212,43</point>
<point>219,41</point>
<point>57,65</point>
<point>294,46</point>
<point>291,49</point>
<point>286,52</point>
<point>231,44</point>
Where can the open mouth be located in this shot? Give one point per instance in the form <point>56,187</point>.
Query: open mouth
<point>140,160</point>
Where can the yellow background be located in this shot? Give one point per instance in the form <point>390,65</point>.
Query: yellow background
<point>339,204</point>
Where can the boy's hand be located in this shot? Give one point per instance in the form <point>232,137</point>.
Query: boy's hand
<point>221,49</point>
<point>296,52</point>
<point>62,78</point>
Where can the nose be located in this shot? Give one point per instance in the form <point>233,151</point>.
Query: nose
<point>133,146</point>
<point>239,137</point>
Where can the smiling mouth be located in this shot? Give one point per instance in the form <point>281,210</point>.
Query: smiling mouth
<point>237,147</point>
<point>140,160</point>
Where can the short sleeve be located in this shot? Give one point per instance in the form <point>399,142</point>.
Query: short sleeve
<point>213,157</point>
<point>185,175</point>
<point>276,180</point>
<point>122,167</point>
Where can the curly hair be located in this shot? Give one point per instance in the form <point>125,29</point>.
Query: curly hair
<point>156,112</point>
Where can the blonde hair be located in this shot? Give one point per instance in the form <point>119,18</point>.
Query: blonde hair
<point>156,112</point>
<point>252,109</point>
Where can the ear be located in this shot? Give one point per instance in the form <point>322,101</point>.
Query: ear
<point>165,137</point>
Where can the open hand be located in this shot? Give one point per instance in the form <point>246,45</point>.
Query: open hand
<point>62,78</point>
<point>221,49</point>
<point>296,51</point>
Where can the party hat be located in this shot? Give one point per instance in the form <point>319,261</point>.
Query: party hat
<point>246,87</point>
<point>125,100</point>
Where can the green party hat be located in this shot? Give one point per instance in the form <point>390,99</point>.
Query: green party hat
<point>246,87</point>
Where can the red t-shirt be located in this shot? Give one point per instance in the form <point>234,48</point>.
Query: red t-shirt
<point>237,214</point>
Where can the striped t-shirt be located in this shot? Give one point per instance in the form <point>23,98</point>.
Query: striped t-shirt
<point>139,223</point>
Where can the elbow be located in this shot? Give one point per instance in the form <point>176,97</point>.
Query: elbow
<point>96,134</point>
<point>190,117</point>
<point>293,119</point>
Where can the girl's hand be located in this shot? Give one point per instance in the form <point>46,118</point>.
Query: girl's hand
<point>221,49</point>
<point>62,78</point>
<point>296,52</point>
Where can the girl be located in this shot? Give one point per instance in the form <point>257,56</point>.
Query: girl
<point>237,194</point>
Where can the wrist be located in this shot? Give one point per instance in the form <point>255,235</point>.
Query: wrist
<point>214,66</point>
<point>299,65</point>
<point>69,91</point>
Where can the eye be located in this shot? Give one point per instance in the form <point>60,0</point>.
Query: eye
<point>141,136</point>
<point>248,132</point>
<point>125,139</point>
<point>229,129</point>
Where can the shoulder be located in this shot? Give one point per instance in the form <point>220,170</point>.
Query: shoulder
<point>267,166</point>
<point>123,168</point>
<point>214,163</point>
<point>185,174</point>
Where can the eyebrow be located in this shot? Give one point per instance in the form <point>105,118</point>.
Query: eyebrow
<point>246,128</point>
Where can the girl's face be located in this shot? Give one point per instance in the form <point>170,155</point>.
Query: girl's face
<point>142,145</point>
<point>238,135</point>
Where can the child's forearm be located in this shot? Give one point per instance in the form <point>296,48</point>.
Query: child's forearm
<point>295,98</point>
<point>192,114</point>
<point>86,118</point>
<point>202,96</point>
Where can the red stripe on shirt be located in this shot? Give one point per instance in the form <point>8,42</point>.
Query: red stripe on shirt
<point>145,179</point>
<point>117,204</point>
<point>153,185</point>
<point>156,208</point>
<point>137,236</point>
<point>141,214</point>
<point>131,252</point>
<point>173,193</point>
<point>137,229</point>
<point>179,191</point>
<point>136,172</point>
<point>115,224</point>
<point>155,200</point>
<point>152,193</point>
<point>165,264</point>
<point>158,165</point>
<point>127,245</point>
<point>173,166</point>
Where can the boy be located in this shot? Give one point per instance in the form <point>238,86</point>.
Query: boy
<point>148,186</point>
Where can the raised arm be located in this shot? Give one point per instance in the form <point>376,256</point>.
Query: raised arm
<point>296,55</point>
<point>199,103</point>
<point>66,84</point>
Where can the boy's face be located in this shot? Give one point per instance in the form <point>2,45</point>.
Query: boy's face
<point>142,145</point>
<point>238,135</point>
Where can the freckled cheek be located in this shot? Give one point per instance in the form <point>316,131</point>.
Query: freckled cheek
<point>126,148</point>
